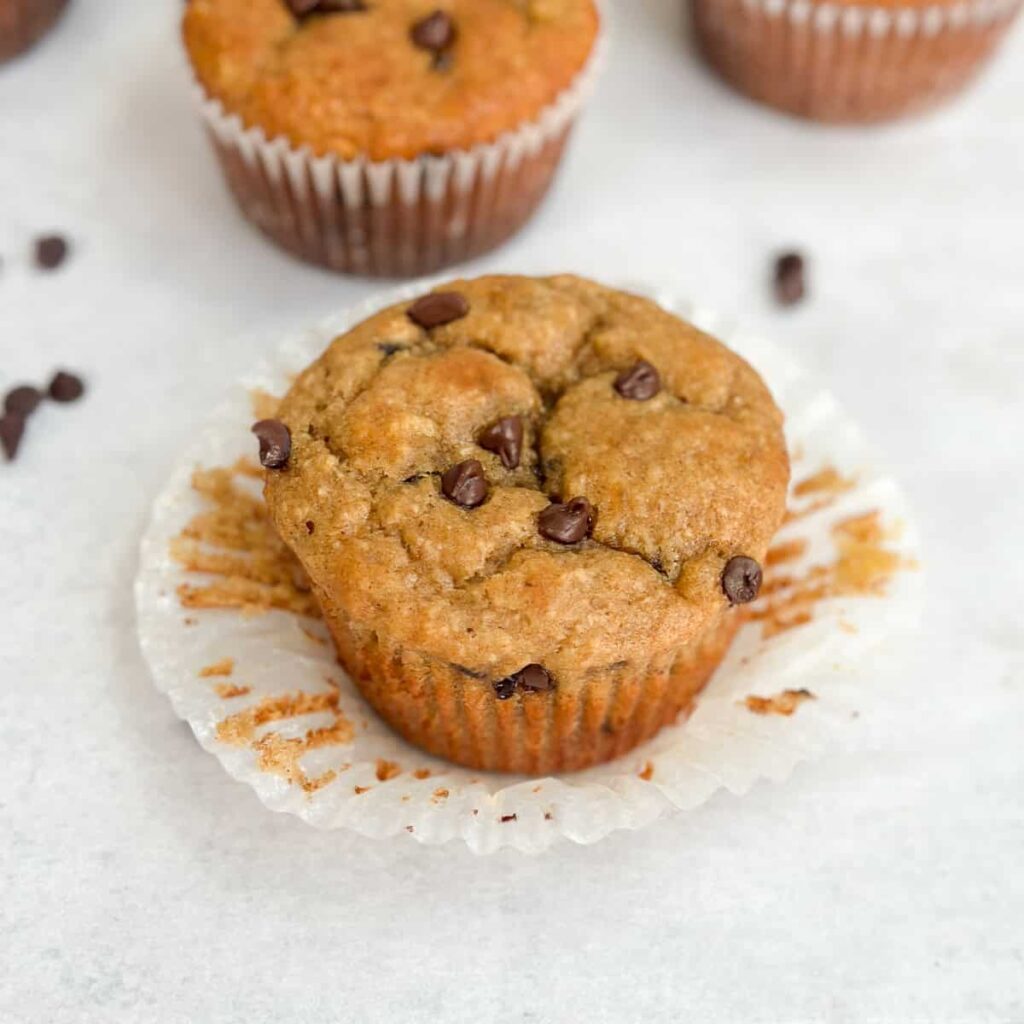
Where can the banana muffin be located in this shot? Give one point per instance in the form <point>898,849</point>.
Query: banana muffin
<point>390,136</point>
<point>528,508</point>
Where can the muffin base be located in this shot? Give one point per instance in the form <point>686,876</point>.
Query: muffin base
<point>24,22</point>
<point>456,716</point>
<point>841,62</point>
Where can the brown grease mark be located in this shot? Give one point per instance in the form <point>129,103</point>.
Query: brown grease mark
<point>387,770</point>
<point>233,539</point>
<point>647,772</point>
<point>191,622</point>
<point>863,568</point>
<point>421,773</point>
<point>826,481</point>
<point>280,755</point>
<point>224,667</point>
<point>228,690</point>
<point>788,551</point>
<point>847,627</point>
<point>264,405</point>
<point>360,790</point>
<point>784,703</point>
<point>536,789</point>
<point>548,816</point>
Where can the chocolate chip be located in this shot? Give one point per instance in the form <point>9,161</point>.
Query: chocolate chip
<point>389,348</point>
<point>310,527</point>
<point>51,251</point>
<point>639,383</point>
<point>438,309</point>
<point>302,8</point>
<point>505,439</point>
<point>568,523</point>
<point>465,484</point>
<point>12,426</point>
<point>790,282</point>
<point>23,400</point>
<point>434,32</point>
<point>533,678</point>
<point>741,580</point>
<point>275,443</point>
<point>66,387</point>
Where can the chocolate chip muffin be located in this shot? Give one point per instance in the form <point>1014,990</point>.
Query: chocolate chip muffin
<point>528,509</point>
<point>24,22</point>
<point>390,136</point>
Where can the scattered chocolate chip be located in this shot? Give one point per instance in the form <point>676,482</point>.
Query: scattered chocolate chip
<point>790,280</point>
<point>568,523</point>
<point>389,348</point>
<point>66,387</point>
<point>302,8</point>
<point>434,32</point>
<point>465,484</point>
<point>741,579</point>
<point>51,251</point>
<point>438,309</point>
<point>23,400</point>
<point>505,439</point>
<point>12,426</point>
<point>504,689</point>
<point>275,443</point>
<point>639,383</point>
<point>535,678</point>
<point>310,527</point>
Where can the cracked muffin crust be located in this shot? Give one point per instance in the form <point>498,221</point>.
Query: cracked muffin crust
<point>524,505</point>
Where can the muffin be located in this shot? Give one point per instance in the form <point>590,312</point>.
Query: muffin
<point>528,509</point>
<point>850,60</point>
<point>23,22</point>
<point>390,137</point>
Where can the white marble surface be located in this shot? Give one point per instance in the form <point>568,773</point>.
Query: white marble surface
<point>139,883</point>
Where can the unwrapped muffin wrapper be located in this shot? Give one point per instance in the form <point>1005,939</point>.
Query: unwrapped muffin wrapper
<point>835,61</point>
<point>396,218</point>
<point>292,725</point>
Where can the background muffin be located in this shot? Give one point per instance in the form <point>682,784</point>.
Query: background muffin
<point>850,60</point>
<point>390,137</point>
<point>22,22</point>
<point>526,507</point>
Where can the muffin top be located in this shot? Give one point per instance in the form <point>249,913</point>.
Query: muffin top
<point>388,78</point>
<point>439,451</point>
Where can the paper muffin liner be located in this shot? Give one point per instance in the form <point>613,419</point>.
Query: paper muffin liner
<point>836,61</point>
<point>23,22</point>
<point>263,691</point>
<point>396,218</point>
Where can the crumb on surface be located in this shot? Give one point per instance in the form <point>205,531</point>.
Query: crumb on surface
<point>784,703</point>
<point>224,667</point>
<point>226,691</point>
<point>647,772</point>
<point>387,770</point>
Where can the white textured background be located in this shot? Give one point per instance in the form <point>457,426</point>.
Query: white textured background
<point>138,883</point>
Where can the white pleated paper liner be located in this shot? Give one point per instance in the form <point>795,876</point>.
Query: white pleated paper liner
<point>378,785</point>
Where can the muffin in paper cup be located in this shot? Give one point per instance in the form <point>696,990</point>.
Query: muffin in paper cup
<point>850,60</point>
<point>385,142</point>
<point>234,636</point>
<point>24,22</point>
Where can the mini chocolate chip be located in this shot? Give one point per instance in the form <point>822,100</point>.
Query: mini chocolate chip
<point>434,32</point>
<point>505,439</point>
<point>438,309</point>
<point>535,678</point>
<point>639,383</point>
<point>66,387</point>
<point>51,251</point>
<point>12,426</point>
<point>504,689</point>
<point>23,400</point>
<point>302,8</point>
<point>741,580</point>
<point>790,281</point>
<point>465,483</point>
<point>568,523</point>
<point>275,443</point>
<point>389,348</point>
<point>310,527</point>
<point>506,818</point>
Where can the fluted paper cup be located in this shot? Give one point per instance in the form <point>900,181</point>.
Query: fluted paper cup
<point>831,60</point>
<point>231,633</point>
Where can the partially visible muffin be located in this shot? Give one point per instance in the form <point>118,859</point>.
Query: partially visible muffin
<point>24,22</point>
<point>346,89</point>
<point>527,508</point>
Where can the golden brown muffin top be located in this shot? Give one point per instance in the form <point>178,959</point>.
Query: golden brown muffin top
<point>680,481</point>
<point>356,82</point>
